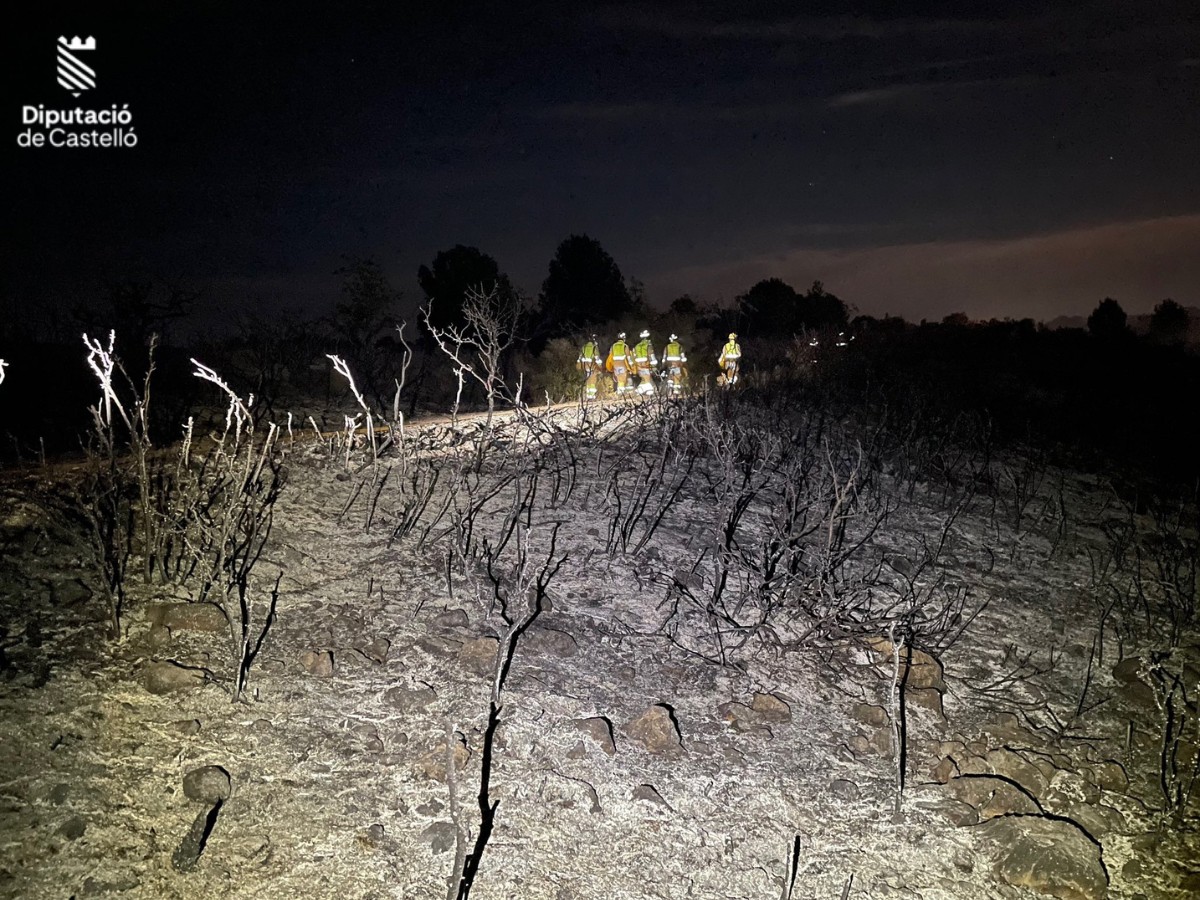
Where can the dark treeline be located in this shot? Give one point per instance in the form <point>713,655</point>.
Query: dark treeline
<point>1095,390</point>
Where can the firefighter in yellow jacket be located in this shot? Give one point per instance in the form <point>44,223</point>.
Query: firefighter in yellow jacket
<point>644,362</point>
<point>674,359</point>
<point>730,360</point>
<point>590,364</point>
<point>620,364</point>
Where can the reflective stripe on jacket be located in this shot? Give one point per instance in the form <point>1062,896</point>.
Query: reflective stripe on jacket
<point>644,352</point>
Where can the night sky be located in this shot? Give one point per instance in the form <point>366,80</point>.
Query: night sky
<point>1004,160</point>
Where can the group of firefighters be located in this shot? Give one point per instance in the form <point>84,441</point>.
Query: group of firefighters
<point>625,363</point>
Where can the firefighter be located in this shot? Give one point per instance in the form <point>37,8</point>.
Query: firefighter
<point>730,359</point>
<point>590,363</point>
<point>620,364</point>
<point>674,359</point>
<point>644,360</point>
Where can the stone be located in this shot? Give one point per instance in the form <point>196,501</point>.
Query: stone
<point>204,617</point>
<point>405,699</point>
<point>771,708</point>
<point>158,637</point>
<point>655,730</point>
<point>479,655</point>
<point>991,796</point>
<point>957,812</point>
<point>443,648</point>
<point>599,729</point>
<point>945,770</point>
<point>317,662</point>
<point>186,727</point>
<point>1128,670</point>
<point>1108,775</point>
<point>451,618</point>
<point>377,650</point>
<point>165,677</point>
<point>859,745</point>
<point>1047,856</point>
<point>925,698</point>
<point>844,790</point>
<point>440,836</point>
<point>433,764</point>
<point>1096,819</point>
<point>96,887</point>
<point>918,670</point>
<point>550,642</point>
<point>1067,788</point>
<point>869,714</point>
<point>578,751</point>
<point>1012,765</point>
<point>963,860</point>
<point>73,828</point>
<point>372,836</point>
<point>208,784</point>
<point>1007,729</point>
<point>739,716</point>
<point>1138,693</point>
<point>881,742</point>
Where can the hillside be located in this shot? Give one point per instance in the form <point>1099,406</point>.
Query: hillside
<point>778,642</point>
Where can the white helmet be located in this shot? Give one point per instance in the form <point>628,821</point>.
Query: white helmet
<point>645,334</point>
<point>621,336</point>
<point>673,337</point>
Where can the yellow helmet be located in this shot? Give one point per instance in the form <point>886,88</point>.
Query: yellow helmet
<point>733,336</point>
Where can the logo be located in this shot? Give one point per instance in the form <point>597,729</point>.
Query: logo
<point>73,73</point>
<point>84,125</point>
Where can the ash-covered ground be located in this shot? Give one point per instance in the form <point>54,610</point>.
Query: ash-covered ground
<point>738,646</point>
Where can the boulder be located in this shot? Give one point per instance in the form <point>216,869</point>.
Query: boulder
<point>655,730</point>
<point>317,662</point>
<point>433,764</point>
<point>771,708</point>
<point>207,617</point>
<point>991,796</point>
<point>479,655</point>
<point>918,670</point>
<point>208,784</point>
<point>1047,856</point>
<point>168,677</point>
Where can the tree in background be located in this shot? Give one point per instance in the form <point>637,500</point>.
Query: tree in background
<point>137,309</point>
<point>1108,321</point>
<point>453,273</point>
<point>364,325</point>
<point>585,287</point>
<point>821,310</point>
<point>684,307</point>
<point>772,307</point>
<point>1169,324</point>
